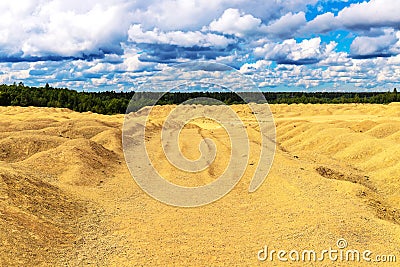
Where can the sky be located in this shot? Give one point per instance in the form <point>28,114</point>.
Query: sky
<point>292,45</point>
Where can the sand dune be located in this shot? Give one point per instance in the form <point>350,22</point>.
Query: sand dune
<point>67,197</point>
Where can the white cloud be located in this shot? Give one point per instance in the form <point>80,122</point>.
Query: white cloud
<point>234,22</point>
<point>170,15</point>
<point>380,45</point>
<point>289,51</point>
<point>336,59</point>
<point>248,68</point>
<point>287,25</point>
<point>394,60</point>
<point>321,23</point>
<point>42,28</point>
<point>131,62</point>
<point>240,24</point>
<point>190,15</point>
<point>363,17</point>
<point>185,39</point>
<point>375,13</point>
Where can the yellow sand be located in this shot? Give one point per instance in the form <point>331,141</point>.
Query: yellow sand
<point>67,197</point>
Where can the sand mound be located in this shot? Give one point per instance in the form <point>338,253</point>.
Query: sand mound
<point>356,126</point>
<point>110,139</point>
<point>78,161</point>
<point>29,124</point>
<point>38,221</point>
<point>385,129</point>
<point>18,147</point>
<point>73,128</point>
<point>43,152</point>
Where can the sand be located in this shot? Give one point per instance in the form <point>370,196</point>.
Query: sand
<point>67,197</point>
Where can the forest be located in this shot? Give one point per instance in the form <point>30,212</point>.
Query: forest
<point>111,102</point>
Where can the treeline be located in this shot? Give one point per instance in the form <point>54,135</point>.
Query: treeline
<point>111,102</point>
<point>333,97</point>
<point>291,97</point>
<point>99,102</point>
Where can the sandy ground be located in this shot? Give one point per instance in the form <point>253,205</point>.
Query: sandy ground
<point>68,199</point>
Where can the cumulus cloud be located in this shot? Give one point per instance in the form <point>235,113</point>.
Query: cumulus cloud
<point>364,17</point>
<point>322,23</point>
<point>59,29</point>
<point>291,52</point>
<point>249,68</point>
<point>180,38</point>
<point>234,22</point>
<point>173,15</point>
<point>375,13</point>
<point>336,59</point>
<point>192,15</point>
<point>287,25</point>
<point>365,46</point>
<point>240,24</point>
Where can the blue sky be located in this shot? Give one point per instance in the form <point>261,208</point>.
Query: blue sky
<point>305,45</point>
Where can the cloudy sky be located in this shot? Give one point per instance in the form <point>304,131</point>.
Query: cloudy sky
<point>282,45</point>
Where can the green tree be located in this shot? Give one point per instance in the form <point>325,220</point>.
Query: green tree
<point>5,99</point>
